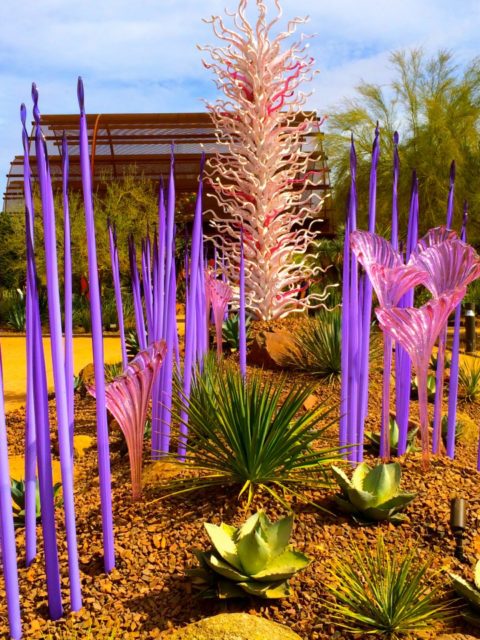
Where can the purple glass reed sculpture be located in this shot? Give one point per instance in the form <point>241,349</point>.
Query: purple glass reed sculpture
<point>58,364</point>
<point>417,330</point>
<point>450,265</point>
<point>127,399</point>
<point>42,430</point>
<point>453,386</point>
<point>30,429</point>
<point>97,343</point>
<point>391,279</point>
<point>67,304</point>
<point>137,296</point>
<point>218,295</point>
<point>403,364</point>
<point>7,531</point>
<point>147,285</point>
<point>112,235</point>
<point>242,320</point>
<point>196,260</point>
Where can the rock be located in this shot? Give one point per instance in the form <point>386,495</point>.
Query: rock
<point>81,444</point>
<point>233,626</point>
<point>87,376</point>
<point>311,402</point>
<point>271,349</point>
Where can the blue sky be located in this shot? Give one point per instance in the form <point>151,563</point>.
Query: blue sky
<point>141,55</point>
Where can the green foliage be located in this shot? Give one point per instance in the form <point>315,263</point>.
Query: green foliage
<point>372,494</point>
<point>17,490</point>
<point>253,434</point>
<point>384,594</point>
<point>459,429</point>
<point>132,344</point>
<point>318,345</point>
<point>16,315</point>
<point>112,371</point>
<point>469,379</point>
<point>254,559</point>
<point>469,592</point>
<point>230,331</point>
<point>434,359</point>
<point>81,313</point>
<point>435,106</point>
<point>431,387</point>
<point>374,438</point>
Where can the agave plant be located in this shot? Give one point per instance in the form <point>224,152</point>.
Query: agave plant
<point>254,559</point>
<point>230,331</point>
<point>431,387</point>
<point>384,594</point>
<point>470,592</point>
<point>17,490</point>
<point>373,494</point>
<point>252,434</point>
<point>374,438</point>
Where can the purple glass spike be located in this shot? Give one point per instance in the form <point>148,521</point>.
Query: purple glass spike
<point>112,235</point>
<point>68,298</point>
<point>396,171</point>
<point>242,328</point>
<point>58,363</point>
<point>137,296</point>
<point>30,438</point>
<point>97,343</point>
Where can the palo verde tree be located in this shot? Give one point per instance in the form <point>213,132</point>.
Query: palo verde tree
<point>434,104</point>
<point>262,184</point>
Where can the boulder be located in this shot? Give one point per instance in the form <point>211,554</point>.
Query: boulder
<point>271,349</point>
<point>233,626</point>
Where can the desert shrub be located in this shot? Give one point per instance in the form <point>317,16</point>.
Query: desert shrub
<point>382,593</point>
<point>16,312</point>
<point>253,434</point>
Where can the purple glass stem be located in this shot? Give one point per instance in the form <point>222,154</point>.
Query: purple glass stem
<point>30,429</point>
<point>242,330</point>
<point>58,363</point>
<point>385,427</point>
<point>345,320</point>
<point>118,292</point>
<point>453,386</point>
<point>166,408</point>
<point>42,425</point>
<point>97,344</point>
<point>137,298</point>
<point>147,288</point>
<point>68,301</point>
<point>190,337</point>
<point>353,369</point>
<point>439,377</point>
<point>9,550</point>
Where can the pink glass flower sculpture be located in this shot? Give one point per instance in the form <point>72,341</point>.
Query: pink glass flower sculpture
<point>127,400</point>
<point>416,330</point>
<point>450,264</point>
<point>391,279</point>
<point>218,294</point>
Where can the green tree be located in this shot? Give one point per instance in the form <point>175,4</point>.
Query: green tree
<point>434,104</point>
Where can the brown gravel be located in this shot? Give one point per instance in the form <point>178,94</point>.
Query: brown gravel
<point>148,592</point>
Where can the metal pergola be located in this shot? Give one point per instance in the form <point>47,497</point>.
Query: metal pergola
<point>140,142</point>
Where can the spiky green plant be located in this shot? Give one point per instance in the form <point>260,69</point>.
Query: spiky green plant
<point>469,378</point>
<point>254,559</point>
<point>431,387</point>
<point>254,434</point>
<point>471,593</point>
<point>459,429</point>
<point>16,315</point>
<point>381,593</point>
<point>113,370</point>
<point>318,345</point>
<point>374,438</point>
<point>17,489</point>
<point>132,344</point>
<point>230,331</point>
<point>372,494</point>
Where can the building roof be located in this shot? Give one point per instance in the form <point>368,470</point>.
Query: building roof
<point>122,142</point>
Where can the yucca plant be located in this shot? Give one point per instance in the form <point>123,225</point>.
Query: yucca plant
<point>254,559</point>
<point>469,378</point>
<point>253,434</point>
<point>372,494</point>
<point>318,345</point>
<point>381,593</point>
<point>17,489</point>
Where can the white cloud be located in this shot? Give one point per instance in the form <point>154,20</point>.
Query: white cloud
<point>141,55</point>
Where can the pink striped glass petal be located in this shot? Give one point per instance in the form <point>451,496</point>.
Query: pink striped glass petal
<point>435,236</point>
<point>127,399</point>
<point>218,294</point>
